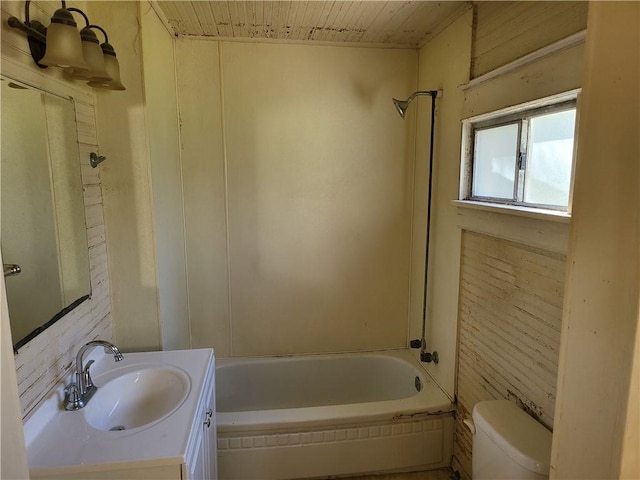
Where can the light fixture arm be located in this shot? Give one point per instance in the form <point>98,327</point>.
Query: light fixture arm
<point>77,10</point>
<point>36,32</point>
<point>26,9</point>
<point>90,25</point>
<point>30,30</point>
<point>106,37</point>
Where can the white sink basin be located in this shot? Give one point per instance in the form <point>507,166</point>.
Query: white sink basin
<point>153,395</point>
<point>136,398</point>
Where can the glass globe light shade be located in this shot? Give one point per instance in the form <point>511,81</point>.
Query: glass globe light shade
<point>113,70</point>
<point>93,57</point>
<point>64,47</point>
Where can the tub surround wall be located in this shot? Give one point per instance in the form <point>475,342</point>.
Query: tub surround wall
<point>45,360</point>
<point>204,191</point>
<point>300,156</point>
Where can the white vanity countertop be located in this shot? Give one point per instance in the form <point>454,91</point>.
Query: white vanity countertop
<point>59,441</point>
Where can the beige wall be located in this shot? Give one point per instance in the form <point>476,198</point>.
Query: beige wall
<point>506,31</point>
<point>166,177</point>
<point>599,337</point>
<point>225,171</point>
<point>13,454</point>
<point>551,75</point>
<point>316,182</point>
<point>630,459</point>
<point>319,197</point>
<point>126,179</point>
<point>444,64</point>
<point>204,190</point>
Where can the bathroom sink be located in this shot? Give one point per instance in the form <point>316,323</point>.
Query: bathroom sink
<point>154,396</point>
<point>136,397</point>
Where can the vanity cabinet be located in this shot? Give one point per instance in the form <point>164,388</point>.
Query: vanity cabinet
<point>201,456</point>
<point>182,446</point>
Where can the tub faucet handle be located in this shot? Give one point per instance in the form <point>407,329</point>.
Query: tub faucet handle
<point>429,357</point>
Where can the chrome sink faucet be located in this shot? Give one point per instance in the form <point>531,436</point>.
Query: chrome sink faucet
<point>79,393</point>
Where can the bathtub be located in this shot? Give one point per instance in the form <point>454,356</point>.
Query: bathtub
<point>329,415</point>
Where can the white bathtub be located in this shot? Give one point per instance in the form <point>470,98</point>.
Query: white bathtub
<point>329,415</point>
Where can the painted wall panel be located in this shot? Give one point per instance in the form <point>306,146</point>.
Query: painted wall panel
<point>510,315</point>
<point>14,456</point>
<point>529,324</point>
<point>596,431</point>
<point>126,179</point>
<point>204,187</point>
<point>166,177</point>
<point>319,197</point>
<point>301,148</point>
<point>557,73</point>
<point>509,30</point>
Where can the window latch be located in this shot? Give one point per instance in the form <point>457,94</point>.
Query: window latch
<point>522,161</point>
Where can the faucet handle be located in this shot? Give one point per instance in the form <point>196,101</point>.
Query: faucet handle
<point>88,382</point>
<point>72,397</point>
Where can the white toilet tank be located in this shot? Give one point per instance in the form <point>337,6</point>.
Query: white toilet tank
<point>508,443</point>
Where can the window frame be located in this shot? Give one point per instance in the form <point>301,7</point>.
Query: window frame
<point>521,116</point>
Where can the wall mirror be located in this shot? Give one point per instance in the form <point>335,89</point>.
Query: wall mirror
<point>42,218</point>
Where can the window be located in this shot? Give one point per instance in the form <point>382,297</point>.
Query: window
<point>523,158</point>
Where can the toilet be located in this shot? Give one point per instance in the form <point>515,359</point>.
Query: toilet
<point>508,443</point>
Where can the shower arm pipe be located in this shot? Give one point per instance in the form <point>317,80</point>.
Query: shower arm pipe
<point>432,93</point>
<point>424,355</point>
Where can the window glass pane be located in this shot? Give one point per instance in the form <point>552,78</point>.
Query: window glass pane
<point>494,163</point>
<point>549,159</point>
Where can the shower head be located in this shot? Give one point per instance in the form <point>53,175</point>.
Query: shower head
<point>402,105</point>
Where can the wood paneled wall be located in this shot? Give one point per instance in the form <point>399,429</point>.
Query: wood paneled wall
<point>505,31</point>
<point>510,313</point>
<point>513,266</point>
<point>47,359</point>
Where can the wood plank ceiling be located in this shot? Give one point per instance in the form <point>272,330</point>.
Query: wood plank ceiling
<point>380,23</point>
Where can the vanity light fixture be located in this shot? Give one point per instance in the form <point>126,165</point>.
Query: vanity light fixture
<point>92,54</point>
<point>79,54</point>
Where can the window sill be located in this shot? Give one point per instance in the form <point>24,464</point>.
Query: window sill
<point>516,210</point>
<point>534,227</point>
